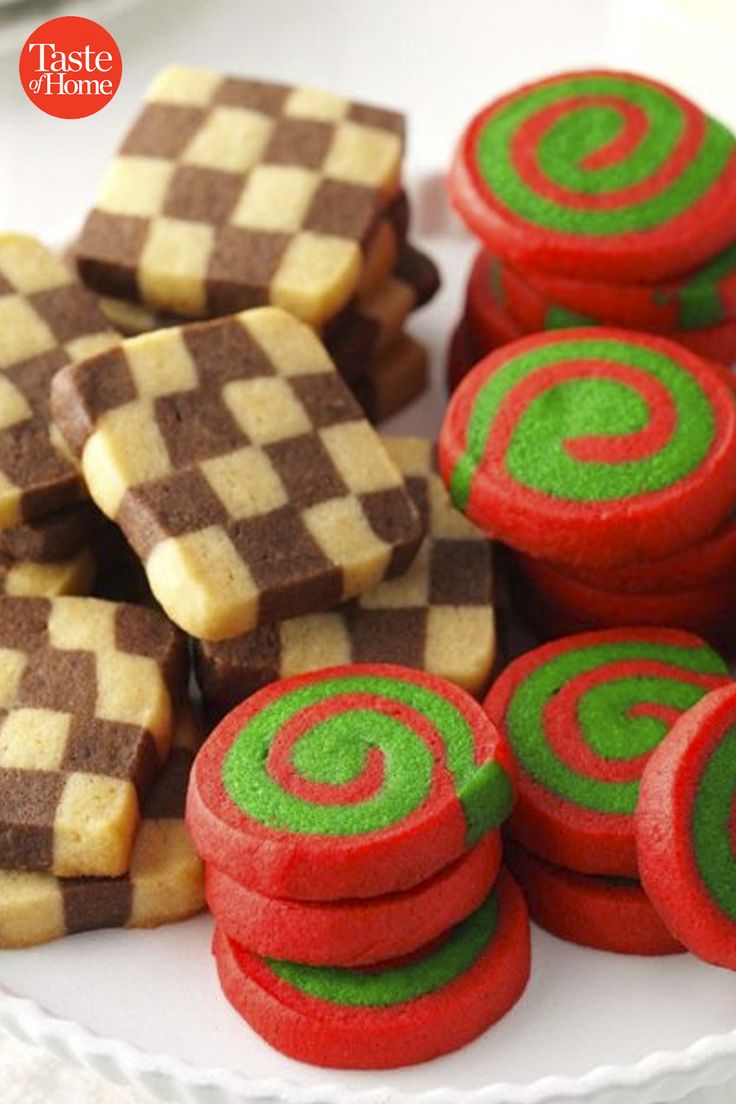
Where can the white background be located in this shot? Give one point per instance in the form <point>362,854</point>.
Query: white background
<point>436,60</point>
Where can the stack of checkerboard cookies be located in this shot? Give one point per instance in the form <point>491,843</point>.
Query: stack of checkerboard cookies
<point>230,193</point>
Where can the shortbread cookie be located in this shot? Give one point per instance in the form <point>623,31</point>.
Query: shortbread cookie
<point>230,193</point>
<point>685,829</point>
<point>398,1014</point>
<point>581,717</point>
<point>47,319</point>
<point>358,932</point>
<point>609,914</point>
<point>30,579</point>
<point>392,380</point>
<point>86,690</point>
<point>232,450</point>
<point>598,175</point>
<point>165,882</point>
<point>437,616</point>
<point>592,447</point>
<point>55,537</point>
<point>349,782</point>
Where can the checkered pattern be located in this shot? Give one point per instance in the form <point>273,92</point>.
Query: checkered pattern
<point>86,691</point>
<point>231,193</point>
<point>437,617</point>
<point>364,329</point>
<point>58,536</point>
<point>392,380</point>
<point>240,469</point>
<point>165,881</point>
<point>29,579</point>
<point>47,319</point>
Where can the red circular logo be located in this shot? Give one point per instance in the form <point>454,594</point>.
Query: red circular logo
<point>70,67</point>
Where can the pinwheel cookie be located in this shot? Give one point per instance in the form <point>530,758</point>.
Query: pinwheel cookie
<point>349,782</point>
<point>581,717</point>
<point>592,447</point>
<point>598,175</point>
<point>685,829</point>
<point>397,1014</point>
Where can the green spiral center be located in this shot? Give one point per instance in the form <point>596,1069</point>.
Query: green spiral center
<point>604,716</point>
<point>589,127</point>
<point>538,455</point>
<point>384,988</point>
<point>335,750</point>
<point>713,821</point>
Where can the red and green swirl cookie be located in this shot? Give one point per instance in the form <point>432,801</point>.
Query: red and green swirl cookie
<point>686,829</point>
<point>701,299</point>
<point>501,301</point>
<point>581,717</point>
<point>397,1014</point>
<point>609,914</point>
<point>357,932</point>
<point>598,175</point>
<point>556,603</point>
<point>595,447</point>
<point>348,782</point>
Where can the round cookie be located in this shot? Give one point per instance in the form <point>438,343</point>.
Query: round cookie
<point>352,781</point>
<point>703,298</point>
<point>592,447</point>
<point>711,561</point>
<point>566,604</point>
<point>581,716</point>
<point>685,829</point>
<point>404,1012</point>
<point>500,298</point>
<point>598,174</point>
<point>609,914</point>
<point>486,305</point>
<point>355,933</point>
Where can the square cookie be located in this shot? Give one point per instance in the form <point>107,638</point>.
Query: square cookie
<point>165,881</point>
<point>229,193</point>
<point>438,616</point>
<point>87,692</point>
<point>393,379</point>
<point>44,579</point>
<point>47,319</point>
<point>240,469</point>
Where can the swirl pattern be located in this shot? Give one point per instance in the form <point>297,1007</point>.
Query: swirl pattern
<point>685,829</point>
<point>582,716</point>
<point>595,173</point>
<point>354,772</point>
<point>579,445</point>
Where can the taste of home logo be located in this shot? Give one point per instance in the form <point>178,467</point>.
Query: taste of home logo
<point>70,67</point>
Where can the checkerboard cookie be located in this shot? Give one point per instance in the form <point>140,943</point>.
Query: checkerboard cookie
<point>47,319</point>
<point>230,193</point>
<point>240,469</point>
<point>165,882</point>
<point>31,579</point>
<point>86,718</point>
<point>364,329</point>
<point>392,380</point>
<point>56,537</point>
<point>438,616</point>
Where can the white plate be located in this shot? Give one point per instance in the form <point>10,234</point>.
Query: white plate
<point>144,1008</point>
